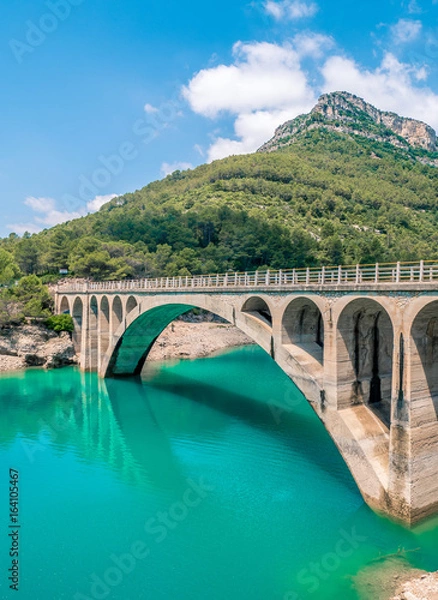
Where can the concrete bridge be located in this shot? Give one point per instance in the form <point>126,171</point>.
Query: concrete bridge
<point>360,342</point>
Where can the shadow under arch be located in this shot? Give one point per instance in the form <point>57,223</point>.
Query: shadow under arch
<point>78,316</point>
<point>424,357</point>
<point>258,308</point>
<point>104,324</point>
<point>302,327</point>
<point>365,346</point>
<point>131,304</point>
<point>64,307</point>
<point>117,313</point>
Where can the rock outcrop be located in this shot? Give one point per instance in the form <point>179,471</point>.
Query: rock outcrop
<point>424,587</point>
<point>35,346</point>
<point>345,113</point>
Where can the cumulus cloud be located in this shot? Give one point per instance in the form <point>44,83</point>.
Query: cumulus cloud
<point>290,9</point>
<point>406,31</point>
<point>48,215</point>
<point>393,86</point>
<point>168,169</point>
<point>314,45</point>
<point>264,86</point>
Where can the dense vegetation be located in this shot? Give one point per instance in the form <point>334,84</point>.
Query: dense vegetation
<point>28,298</point>
<point>329,198</point>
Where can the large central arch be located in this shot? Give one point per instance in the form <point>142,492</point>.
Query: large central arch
<point>137,333</point>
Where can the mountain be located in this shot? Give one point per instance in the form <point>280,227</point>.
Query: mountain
<point>347,183</point>
<point>342,112</point>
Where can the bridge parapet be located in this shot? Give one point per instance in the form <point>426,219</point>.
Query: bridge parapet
<point>386,275</point>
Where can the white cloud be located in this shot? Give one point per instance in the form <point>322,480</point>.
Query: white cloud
<point>48,215</point>
<point>311,44</point>
<point>392,86</point>
<point>150,109</point>
<point>414,8</point>
<point>263,76</point>
<point>406,30</point>
<point>263,87</point>
<point>97,202</point>
<point>168,169</point>
<point>20,228</point>
<point>290,9</point>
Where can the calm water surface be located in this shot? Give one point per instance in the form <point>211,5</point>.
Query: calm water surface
<point>210,479</point>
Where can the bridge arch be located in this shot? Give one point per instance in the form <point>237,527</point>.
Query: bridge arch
<point>116,313</point>
<point>131,303</point>
<point>104,325</point>
<point>135,336</point>
<point>64,306</point>
<point>258,308</point>
<point>78,316</point>
<point>424,360</point>
<point>365,347</point>
<point>303,327</point>
<point>93,331</point>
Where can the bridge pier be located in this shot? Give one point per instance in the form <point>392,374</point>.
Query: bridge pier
<point>364,355</point>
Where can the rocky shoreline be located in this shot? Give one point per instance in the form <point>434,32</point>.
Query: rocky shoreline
<point>183,339</point>
<point>35,346</point>
<point>422,587</point>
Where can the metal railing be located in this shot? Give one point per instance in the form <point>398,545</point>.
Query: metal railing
<point>355,275</point>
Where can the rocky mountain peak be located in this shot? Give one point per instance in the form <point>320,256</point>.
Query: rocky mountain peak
<point>346,113</point>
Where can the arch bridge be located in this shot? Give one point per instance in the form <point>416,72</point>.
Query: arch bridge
<point>360,342</point>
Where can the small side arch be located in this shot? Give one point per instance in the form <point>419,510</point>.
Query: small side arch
<point>131,304</point>
<point>104,325</point>
<point>64,306</point>
<point>424,360</point>
<point>259,309</point>
<point>78,316</point>
<point>302,326</point>
<point>365,346</point>
<point>116,314</point>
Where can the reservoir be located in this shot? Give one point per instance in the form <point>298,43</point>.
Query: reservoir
<point>206,479</point>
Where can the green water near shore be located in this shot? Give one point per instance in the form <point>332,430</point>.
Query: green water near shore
<point>210,479</point>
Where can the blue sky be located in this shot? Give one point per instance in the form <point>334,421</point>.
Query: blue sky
<point>100,97</point>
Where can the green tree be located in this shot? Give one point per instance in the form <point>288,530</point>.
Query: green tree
<point>8,267</point>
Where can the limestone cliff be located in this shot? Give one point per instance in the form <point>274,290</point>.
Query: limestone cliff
<point>345,113</point>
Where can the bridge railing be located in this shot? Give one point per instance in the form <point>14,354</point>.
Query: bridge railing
<point>409,272</point>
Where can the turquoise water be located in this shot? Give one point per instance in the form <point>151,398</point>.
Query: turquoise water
<point>210,479</point>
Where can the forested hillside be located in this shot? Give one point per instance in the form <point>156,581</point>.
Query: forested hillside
<point>328,198</point>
